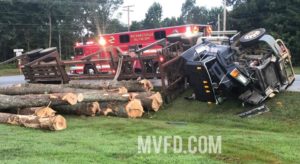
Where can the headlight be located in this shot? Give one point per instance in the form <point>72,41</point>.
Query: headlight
<point>239,77</point>
<point>188,31</point>
<point>102,41</point>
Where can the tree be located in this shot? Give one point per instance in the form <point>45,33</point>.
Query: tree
<point>186,8</point>
<point>153,16</point>
<point>135,25</point>
<point>212,17</point>
<point>115,26</point>
<point>169,22</point>
<point>96,14</point>
<point>190,13</point>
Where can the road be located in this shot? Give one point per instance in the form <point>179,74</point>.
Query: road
<point>19,79</point>
<point>11,80</point>
<point>296,85</point>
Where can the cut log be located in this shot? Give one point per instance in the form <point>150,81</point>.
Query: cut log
<point>71,98</point>
<point>132,109</point>
<point>25,89</point>
<point>85,95</point>
<point>50,123</point>
<point>131,85</point>
<point>104,96</point>
<point>83,108</point>
<point>151,101</point>
<point>25,101</point>
<point>29,88</point>
<point>106,112</point>
<point>147,85</point>
<point>37,111</point>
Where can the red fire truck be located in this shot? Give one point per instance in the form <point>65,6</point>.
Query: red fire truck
<point>129,42</point>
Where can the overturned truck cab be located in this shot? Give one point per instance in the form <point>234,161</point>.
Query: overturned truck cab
<point>252,68</point>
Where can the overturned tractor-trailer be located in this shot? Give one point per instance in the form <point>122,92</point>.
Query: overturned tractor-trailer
<point>252,67</point>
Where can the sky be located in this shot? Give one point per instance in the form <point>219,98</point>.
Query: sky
<point>170,8</point>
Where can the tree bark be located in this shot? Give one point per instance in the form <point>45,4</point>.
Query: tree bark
<point>24,89</point>
<point>86,95</point>
<point>131,86</point>
<point>83,108</point>
<point>132,109</point>
<point>51,123</point>
<point>24,101</point>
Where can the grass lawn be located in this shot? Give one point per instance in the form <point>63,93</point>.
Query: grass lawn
<point>269,138</point>
<point>9,69</point>
<point>297,69</point>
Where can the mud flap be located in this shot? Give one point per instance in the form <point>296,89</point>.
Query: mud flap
<point>255,111</point>
<point>252,97</point>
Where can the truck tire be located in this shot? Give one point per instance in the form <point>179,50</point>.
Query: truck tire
<point>252,37</point>
<point>89,69</point>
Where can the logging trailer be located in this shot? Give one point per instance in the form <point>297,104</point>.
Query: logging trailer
<point>45,66</point>
<point>162,63</point>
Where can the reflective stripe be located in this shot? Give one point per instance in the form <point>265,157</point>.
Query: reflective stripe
<point>102,66</point>
<point>72,68</point>
<point>151,51</point>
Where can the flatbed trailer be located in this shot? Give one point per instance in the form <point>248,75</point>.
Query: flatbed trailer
<point>48,68</point>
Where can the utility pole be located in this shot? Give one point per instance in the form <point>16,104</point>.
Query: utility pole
<point>224,15</point>
<point>219,24</point>
<point>127,9</point>
<point>59,44</point>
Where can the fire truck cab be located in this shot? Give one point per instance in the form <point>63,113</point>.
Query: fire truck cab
<point>129,43</point>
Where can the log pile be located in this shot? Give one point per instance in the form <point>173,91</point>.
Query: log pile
<point>35,105</point>
<point>42,118</point>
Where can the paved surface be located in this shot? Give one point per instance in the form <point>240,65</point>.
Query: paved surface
<point>296,85</point>
<point>11,80</point>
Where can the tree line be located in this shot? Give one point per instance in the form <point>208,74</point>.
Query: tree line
<point>31,24</point>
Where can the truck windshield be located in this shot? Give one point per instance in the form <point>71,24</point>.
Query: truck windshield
<point>78,51</point>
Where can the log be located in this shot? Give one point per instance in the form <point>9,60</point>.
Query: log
<point>83,108</point>
<point>87,109</point>
<point>71,98</point>
<point>24,101</point>
<point>29,88</point>
<point>132,109</point>
<point>50,123</point>
<point>85,95</point>
<point>37,111</point>
<point>121,86</point>
<point>104,96</point>
<point>151,101</point>
<point>131,85</point>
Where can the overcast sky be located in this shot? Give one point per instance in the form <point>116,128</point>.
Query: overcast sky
<point>170,7</point>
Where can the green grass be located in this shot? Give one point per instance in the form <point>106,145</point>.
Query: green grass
<point>9,69</point>
<point>269,138</point>
<point>297,69</point>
